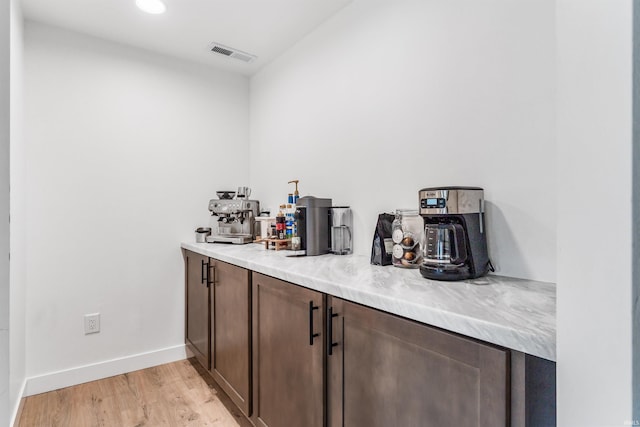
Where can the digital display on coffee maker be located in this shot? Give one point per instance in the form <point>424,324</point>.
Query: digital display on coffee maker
<point>433,203</point>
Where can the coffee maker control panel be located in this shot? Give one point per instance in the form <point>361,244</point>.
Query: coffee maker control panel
<point>451,200</point>
<point>433,203</point>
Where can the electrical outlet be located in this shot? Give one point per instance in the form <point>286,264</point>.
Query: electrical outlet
<point>91,323</point>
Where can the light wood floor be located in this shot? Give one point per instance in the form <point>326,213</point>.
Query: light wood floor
<point>175,394</point>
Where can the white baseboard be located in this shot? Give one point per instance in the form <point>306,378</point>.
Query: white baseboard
<point>108,368</point>
<point>14,413</point>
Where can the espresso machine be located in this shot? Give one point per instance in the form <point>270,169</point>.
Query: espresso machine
<point>236,220</point>
<point>455,246</point>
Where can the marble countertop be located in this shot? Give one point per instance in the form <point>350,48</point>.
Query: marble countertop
<point>514,313</point>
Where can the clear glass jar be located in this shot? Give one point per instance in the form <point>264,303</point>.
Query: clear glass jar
<point>407,234</point>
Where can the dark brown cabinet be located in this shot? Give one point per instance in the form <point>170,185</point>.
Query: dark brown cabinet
<point>288,355</point>
<point>231,331</point>
<point>218,323</point>
<point>380,369</point>
<point>384,370</point>
<point>197,333</point>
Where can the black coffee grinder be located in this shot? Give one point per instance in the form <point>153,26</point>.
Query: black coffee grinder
<point>455,246</point>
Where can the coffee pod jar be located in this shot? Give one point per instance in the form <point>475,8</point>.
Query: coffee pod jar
<point>407,230</point>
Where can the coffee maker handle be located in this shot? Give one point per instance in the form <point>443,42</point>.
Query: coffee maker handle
<point>461,245</point>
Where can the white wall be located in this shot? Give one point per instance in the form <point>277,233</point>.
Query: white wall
<point>389,97</point>
<point>124,148</point>
<point>594,239</point>
<point>18,273</point>
<point>5,25</point>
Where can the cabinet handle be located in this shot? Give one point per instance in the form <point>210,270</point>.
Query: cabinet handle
<point>311,334</point>
<point>330,343</point>
<point>211,268</point>
<point>203,274</point>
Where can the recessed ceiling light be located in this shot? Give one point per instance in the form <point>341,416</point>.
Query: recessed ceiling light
<point>151,6</point>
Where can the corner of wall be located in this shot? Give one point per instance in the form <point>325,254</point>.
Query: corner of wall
<point>16,198</point>
<point>635,293</point>
<point>18,404</point>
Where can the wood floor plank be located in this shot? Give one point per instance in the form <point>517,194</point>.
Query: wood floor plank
<point>179,394</point>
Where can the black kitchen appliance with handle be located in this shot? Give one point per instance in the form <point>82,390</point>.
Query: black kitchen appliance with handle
<point>313,215</point>
<point>455,246</point>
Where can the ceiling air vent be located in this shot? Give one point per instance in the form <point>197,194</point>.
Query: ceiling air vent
<point>221,49</point>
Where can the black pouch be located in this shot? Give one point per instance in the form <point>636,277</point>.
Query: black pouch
<point>382,247</point>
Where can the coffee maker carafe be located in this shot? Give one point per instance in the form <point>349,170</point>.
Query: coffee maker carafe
<point>455,237</point>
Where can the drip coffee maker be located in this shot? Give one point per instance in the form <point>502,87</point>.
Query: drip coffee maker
<point>455,245</point>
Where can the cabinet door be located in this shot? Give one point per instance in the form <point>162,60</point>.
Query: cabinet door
<point>231,331</point>
<point>197,306</point>
<point>288,354</point>
<point>389,371</point>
